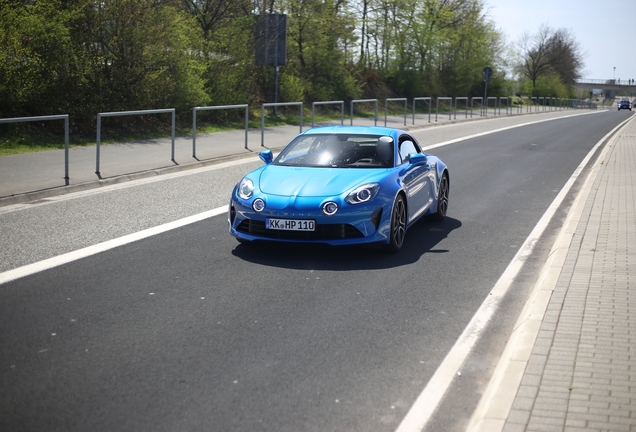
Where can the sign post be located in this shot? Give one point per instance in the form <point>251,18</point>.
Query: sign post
<point>271,44</point>
<point>487,72</point>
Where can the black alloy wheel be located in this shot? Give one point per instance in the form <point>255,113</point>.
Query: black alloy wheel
<point>442,198</point>
<point>398,225</point>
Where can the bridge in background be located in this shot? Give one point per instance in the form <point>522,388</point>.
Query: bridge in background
<point>610,87</point>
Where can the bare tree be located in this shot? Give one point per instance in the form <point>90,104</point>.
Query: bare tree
<point>550,51</point>
<point>534,49</point>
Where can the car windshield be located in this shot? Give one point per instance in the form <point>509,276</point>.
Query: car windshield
<point>337,151</point>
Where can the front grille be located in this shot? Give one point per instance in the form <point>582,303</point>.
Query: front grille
<point>322,232</point>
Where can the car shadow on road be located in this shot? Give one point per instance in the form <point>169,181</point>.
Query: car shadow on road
<point>421,238</point>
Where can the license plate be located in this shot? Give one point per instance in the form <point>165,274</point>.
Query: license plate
<point>290,224</point>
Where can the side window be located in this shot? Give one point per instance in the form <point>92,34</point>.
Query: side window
<point>407,147</point>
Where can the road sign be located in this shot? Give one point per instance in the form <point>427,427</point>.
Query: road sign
<point>487,73</point>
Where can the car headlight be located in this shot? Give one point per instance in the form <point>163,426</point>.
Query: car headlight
<point>363,193</point>
<point>246,188</point>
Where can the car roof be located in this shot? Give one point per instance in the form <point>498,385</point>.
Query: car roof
<point>361,130</point>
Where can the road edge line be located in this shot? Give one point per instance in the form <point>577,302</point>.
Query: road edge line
<point>496,402</point>
<point>429,399</point>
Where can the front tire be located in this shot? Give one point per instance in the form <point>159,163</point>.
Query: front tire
<point>442,198</point>
<point>398,225</point>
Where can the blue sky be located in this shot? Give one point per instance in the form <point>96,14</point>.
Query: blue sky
<point>606,30</point>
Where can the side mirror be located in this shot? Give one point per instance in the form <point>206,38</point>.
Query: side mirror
<point>266,156</point>
<point>417,158</point>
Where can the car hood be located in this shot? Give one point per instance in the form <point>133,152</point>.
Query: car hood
<point>314,182</point>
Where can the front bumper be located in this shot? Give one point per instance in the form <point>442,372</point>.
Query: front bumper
<point>352,224</point>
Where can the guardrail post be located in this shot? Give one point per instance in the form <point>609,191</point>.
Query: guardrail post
<point>450,112</point>
<point>507,104</point>
<point>386,106</point>
<point>328,103</point>
<point>173,133</point>
<point>211,108</point>
<point>127,113</point>
<point>277,104</point>
<point>99,141</point>
<point>472,107</point>
<point>375,101</point>
<point>457,99</point>
<point>64,117</point>
<point>429,107</point>
<point>488,104</point>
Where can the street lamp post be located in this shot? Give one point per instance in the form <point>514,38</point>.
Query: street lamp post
<point>614,72</point>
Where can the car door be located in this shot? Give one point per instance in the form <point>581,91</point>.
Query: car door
<point>417,179</point>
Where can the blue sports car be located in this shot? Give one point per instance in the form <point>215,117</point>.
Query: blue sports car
<point>340,185</point>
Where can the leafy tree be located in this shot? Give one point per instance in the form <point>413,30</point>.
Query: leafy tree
<point>232,76</point>
<point>210,14</point>
<point>317,30</point>
<point>548,85</point>
<point>36,65</point>
<point>87,56</point>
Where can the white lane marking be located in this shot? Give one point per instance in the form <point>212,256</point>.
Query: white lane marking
<point>498,130</point>
<point>46,264</point>
<point>125,185</point>
<point>427,402</point>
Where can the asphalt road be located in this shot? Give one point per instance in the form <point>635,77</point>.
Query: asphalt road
<point>188,330</point>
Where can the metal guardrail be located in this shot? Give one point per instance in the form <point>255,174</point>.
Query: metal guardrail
<point>457,99</point>
<point>541,102</point>
<point>341,103</point>
<point>127,113</point>
<point>210,108</point>
<point>429,107</point>
<point>488,99</point>
<point>507,104</point>
<point>472,106</point>
<point>450,112</point>
<point>536,104</point>
<point>277,104</point>
<point>64,117</point>
<point>375,101</point>
<point>386,107</point>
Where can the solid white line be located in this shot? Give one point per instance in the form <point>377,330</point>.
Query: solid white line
<point>427,402</point>
<point>445,143</point>
<point>126,185</point>
<point>66,258</point>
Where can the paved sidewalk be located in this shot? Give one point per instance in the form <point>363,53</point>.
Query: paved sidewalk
<point>570,364</point>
